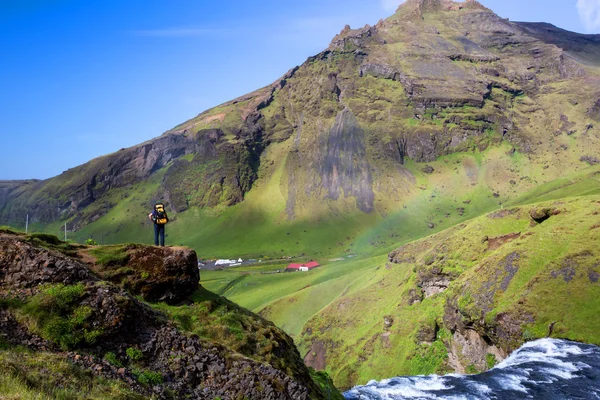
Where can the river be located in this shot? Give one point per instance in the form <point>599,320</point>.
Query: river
<point>545,369</point>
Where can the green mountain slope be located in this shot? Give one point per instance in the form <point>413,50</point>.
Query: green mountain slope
<point>465,298</point>
<point>480,287</point>
<point>439,104</point>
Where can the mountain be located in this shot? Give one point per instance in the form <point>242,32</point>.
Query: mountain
<point>441,99</point>
<point>442,166</point>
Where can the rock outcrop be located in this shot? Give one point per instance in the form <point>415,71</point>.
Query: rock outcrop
<point>154,273</point>
<point>118,322</point>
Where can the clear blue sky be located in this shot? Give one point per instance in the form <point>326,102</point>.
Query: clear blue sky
<point>80,79</point>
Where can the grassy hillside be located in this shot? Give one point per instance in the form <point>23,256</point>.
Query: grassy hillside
<point>460,187</point>
<point>554,282</point>
<point>343,304</point>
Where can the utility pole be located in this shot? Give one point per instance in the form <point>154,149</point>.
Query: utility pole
<point>65,231</point>
<point>27,223</point>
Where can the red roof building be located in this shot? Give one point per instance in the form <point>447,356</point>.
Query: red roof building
<point>303,267</point>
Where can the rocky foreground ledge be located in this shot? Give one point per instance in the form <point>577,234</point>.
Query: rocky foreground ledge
<point>61,299</point>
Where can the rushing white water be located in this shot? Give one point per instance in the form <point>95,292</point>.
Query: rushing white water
<point>545,369</point>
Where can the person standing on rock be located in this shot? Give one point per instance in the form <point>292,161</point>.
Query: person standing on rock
<point>160,219</point>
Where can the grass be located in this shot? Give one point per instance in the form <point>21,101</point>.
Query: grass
<point>335,298</point>
<point>258,226</point>
<point>352,325</point>
<point>343,303</point>
<point>43,376</point>
<point>218,320</point>
<point>435,215</point>
<point>56,314</point>
<point>326,384</point>
<point>109,256</point>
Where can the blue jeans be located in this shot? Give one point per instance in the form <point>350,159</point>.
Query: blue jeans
<point>159,232</point>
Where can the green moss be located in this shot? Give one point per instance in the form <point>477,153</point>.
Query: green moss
<point>427,358</point>
<point>471,369</point>
<point>56,315</point>
<point>10,230</point>
<point>116,255</point>
<point>325,382</point>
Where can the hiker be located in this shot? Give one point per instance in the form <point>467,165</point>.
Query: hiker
<point>160,219</point>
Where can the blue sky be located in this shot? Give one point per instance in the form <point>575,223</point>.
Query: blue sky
<point>80,79</point>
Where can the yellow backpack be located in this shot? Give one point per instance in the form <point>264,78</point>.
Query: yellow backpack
<point>160,215</point>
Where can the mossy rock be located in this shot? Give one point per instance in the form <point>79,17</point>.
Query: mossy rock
<point>168,274</point>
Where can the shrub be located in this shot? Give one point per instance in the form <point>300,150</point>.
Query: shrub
<point>112,358</point>
<point>46,238</point>
<point>134,354</point>
<point>146,377</point>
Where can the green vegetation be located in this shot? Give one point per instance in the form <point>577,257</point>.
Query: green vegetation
<point>51,242</point>
<point>112,358</point>
<point>143,376</point>
<point>146,377</point>
<point>551,281</point>
<point>492,153</point>
<point>216,319</point>
<point>326,384</point>
<point>134,354</point>
<point>45,376</point>
<point>57,315</point>
<point>341,303</point>
<point>111,256</point>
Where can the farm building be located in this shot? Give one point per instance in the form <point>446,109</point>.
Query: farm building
<point>302,267</point>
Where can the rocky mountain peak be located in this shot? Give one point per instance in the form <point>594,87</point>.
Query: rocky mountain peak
<point>424,6</point>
